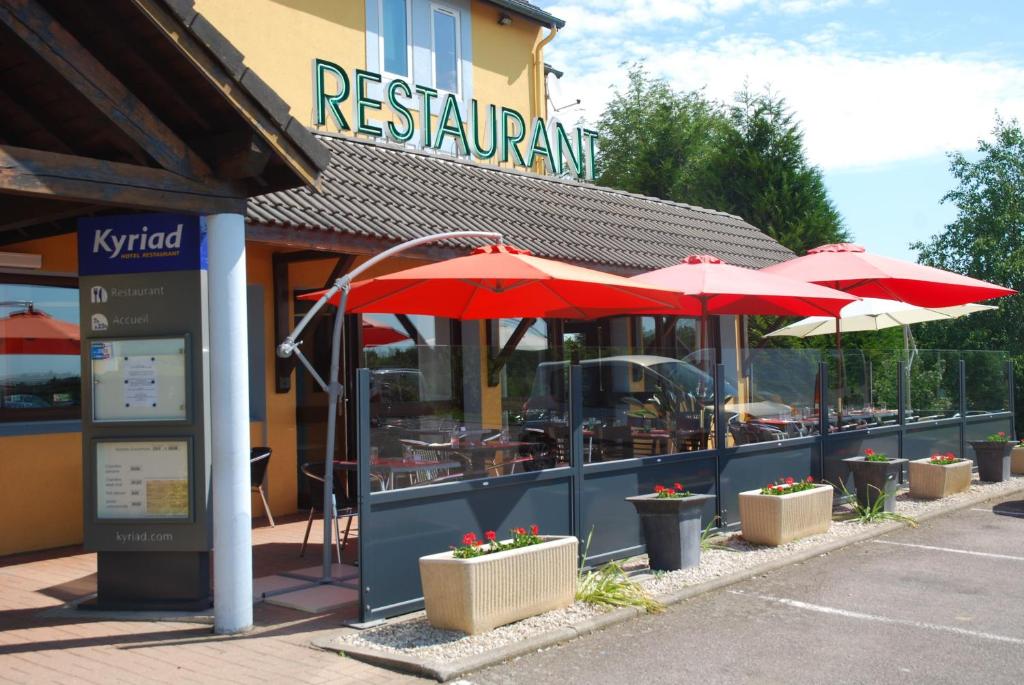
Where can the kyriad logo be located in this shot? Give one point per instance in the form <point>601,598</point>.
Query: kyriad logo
<point>141,243</point>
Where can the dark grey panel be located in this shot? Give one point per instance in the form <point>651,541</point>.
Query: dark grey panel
<point>396,534</point>
<point>749,470</point>
<point>613,520</point>
<point>257,362</point>
<point>919,443</point>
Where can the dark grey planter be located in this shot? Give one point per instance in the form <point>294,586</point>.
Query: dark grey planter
<point>672,529</point>
<point>993,460</point>
<point>870,478</point>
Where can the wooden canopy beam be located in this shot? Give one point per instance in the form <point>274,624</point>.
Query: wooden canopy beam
<point>30,21</point>
<point>69,177</point>
<point>496,364</point>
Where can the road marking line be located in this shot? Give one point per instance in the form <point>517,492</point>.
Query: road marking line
<point>950,549</point>
<point>796,604</point>
<point>1001,513</point>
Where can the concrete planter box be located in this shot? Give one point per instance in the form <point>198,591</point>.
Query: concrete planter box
<point>778,519</point>
<point>873,477</point>
<point>993,460</point>
<point>933,481</point>
<point>672,529</point>
<point>478,594</point>
<point>1017,460</point>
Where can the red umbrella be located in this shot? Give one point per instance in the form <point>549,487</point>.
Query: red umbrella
<point>853,270</point>
<point>35,332</point>
<point>707,285</point>
<point>376,333</point>
<point>499,281</point>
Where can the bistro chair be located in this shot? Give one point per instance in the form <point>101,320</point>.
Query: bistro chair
<point>259,460</point>
<point>345,507</point>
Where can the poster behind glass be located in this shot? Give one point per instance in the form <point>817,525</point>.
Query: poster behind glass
<point>142,479</point>
<point>139,380</point>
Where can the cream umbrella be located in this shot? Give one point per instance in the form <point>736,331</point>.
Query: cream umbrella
<point>872,314</point>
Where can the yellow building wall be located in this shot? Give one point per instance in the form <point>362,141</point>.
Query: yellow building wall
<point>280,40</point>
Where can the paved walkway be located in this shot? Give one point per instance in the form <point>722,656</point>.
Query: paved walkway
<point>38,647</point>
<point>940,604</point>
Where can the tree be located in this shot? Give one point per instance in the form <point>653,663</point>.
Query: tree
<point>656,141</point>
<point>986,240</point>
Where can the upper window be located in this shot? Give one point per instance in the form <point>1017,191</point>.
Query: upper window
<point>40,367</point>
<point>394,36</point>
<point>444,29</point>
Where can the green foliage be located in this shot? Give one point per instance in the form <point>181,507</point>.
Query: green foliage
<point>746,159</point>
<point>875,512</point>
<point>610,586</point>
<point>986,240</point>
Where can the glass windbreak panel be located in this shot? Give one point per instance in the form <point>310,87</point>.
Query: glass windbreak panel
<point>395,36</point>
<point>446,50</point>
<point>850,390</point>
<point>776,397</point>
<point>40,367</point>
<point>643,404</point>
<point>987,381</point>
<point>442,413</point>
<point>931,390</point>
<point>881,368</point>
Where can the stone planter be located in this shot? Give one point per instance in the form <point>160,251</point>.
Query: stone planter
<point>478,594</point>
<point>1017,460</point>
<point>932,481</point>
<point>993,459</point>
<point>672,529</point>
<point>777,519</point>
<point>870,478</point>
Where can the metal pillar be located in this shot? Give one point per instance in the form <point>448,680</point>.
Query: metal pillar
<point>229,406</point>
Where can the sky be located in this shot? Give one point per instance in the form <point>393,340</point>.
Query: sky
<point>883,89</point>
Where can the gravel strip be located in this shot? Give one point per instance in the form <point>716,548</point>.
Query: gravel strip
<point>416,638</point>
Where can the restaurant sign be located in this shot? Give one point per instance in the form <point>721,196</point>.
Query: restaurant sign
<point>493,133</point>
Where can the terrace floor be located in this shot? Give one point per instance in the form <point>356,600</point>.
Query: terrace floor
<point>40,642</point>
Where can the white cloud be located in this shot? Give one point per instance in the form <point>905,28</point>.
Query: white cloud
<point>857,110</point>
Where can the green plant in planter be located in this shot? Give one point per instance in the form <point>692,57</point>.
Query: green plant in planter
<point>875,511</point>
<point>611,586</point>
<point>946,459</point>
<point>676,491</point>
<point>871,455</point>
<point>785,486</point>
<point>997,437</point>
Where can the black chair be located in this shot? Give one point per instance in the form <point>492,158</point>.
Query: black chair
<point>259,460</point>
<point>345,502</point>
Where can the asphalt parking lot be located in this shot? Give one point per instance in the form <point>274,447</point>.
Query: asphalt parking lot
<point>940,604</point>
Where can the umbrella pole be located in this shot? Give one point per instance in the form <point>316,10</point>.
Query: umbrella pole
<point>841,375</point>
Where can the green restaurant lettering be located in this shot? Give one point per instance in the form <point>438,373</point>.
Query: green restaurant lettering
<point>483,140</point>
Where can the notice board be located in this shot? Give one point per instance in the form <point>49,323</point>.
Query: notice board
<point>142,479</point>
<point>139,379</point>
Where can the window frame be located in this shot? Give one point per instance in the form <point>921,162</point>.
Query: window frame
<point>457,16</point>
<point>390,75</point>
<point>15,417</point>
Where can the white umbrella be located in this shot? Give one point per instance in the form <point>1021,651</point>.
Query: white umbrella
<point>872,314</point>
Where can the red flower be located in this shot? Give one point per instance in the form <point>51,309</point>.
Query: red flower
<point>1002,434</point>
<point>950,455</point>
<point>678,486</point>
<point>490,535</point>
<point>810,479</point>
<point>477,543</point>
<point>520,531</point>
<point>659,488</point>
<point>869,452</point>
<point>789,480</point>
<point>534,529</point>
<point>669,491</point>
<point>469,538</point>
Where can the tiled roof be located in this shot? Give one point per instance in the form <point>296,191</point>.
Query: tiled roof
<point>530,10</point>
<point>382,191</point>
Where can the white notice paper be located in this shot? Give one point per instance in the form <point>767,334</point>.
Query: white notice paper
<point>140,386</point>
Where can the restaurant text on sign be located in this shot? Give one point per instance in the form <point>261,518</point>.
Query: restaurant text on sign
<point>490,134</point>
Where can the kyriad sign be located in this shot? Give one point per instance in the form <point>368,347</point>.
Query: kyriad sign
<point>441,122</point>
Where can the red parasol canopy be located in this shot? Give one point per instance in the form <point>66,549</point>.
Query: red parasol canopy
<point>376,333</point>
<point>35,332</point>
<point>853,270</point>
<point>498,281</point>
<point>707,285</point>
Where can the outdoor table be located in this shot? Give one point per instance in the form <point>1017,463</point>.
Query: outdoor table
<point>479,453</point>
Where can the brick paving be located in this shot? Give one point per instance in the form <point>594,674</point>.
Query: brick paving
<point>37,646</point>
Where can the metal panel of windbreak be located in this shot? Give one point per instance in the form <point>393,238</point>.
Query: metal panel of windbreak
<point>588,500</point>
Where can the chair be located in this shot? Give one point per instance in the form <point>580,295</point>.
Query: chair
<point>259,460</point>
<point>346,508</point>
<point>614,442</point>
